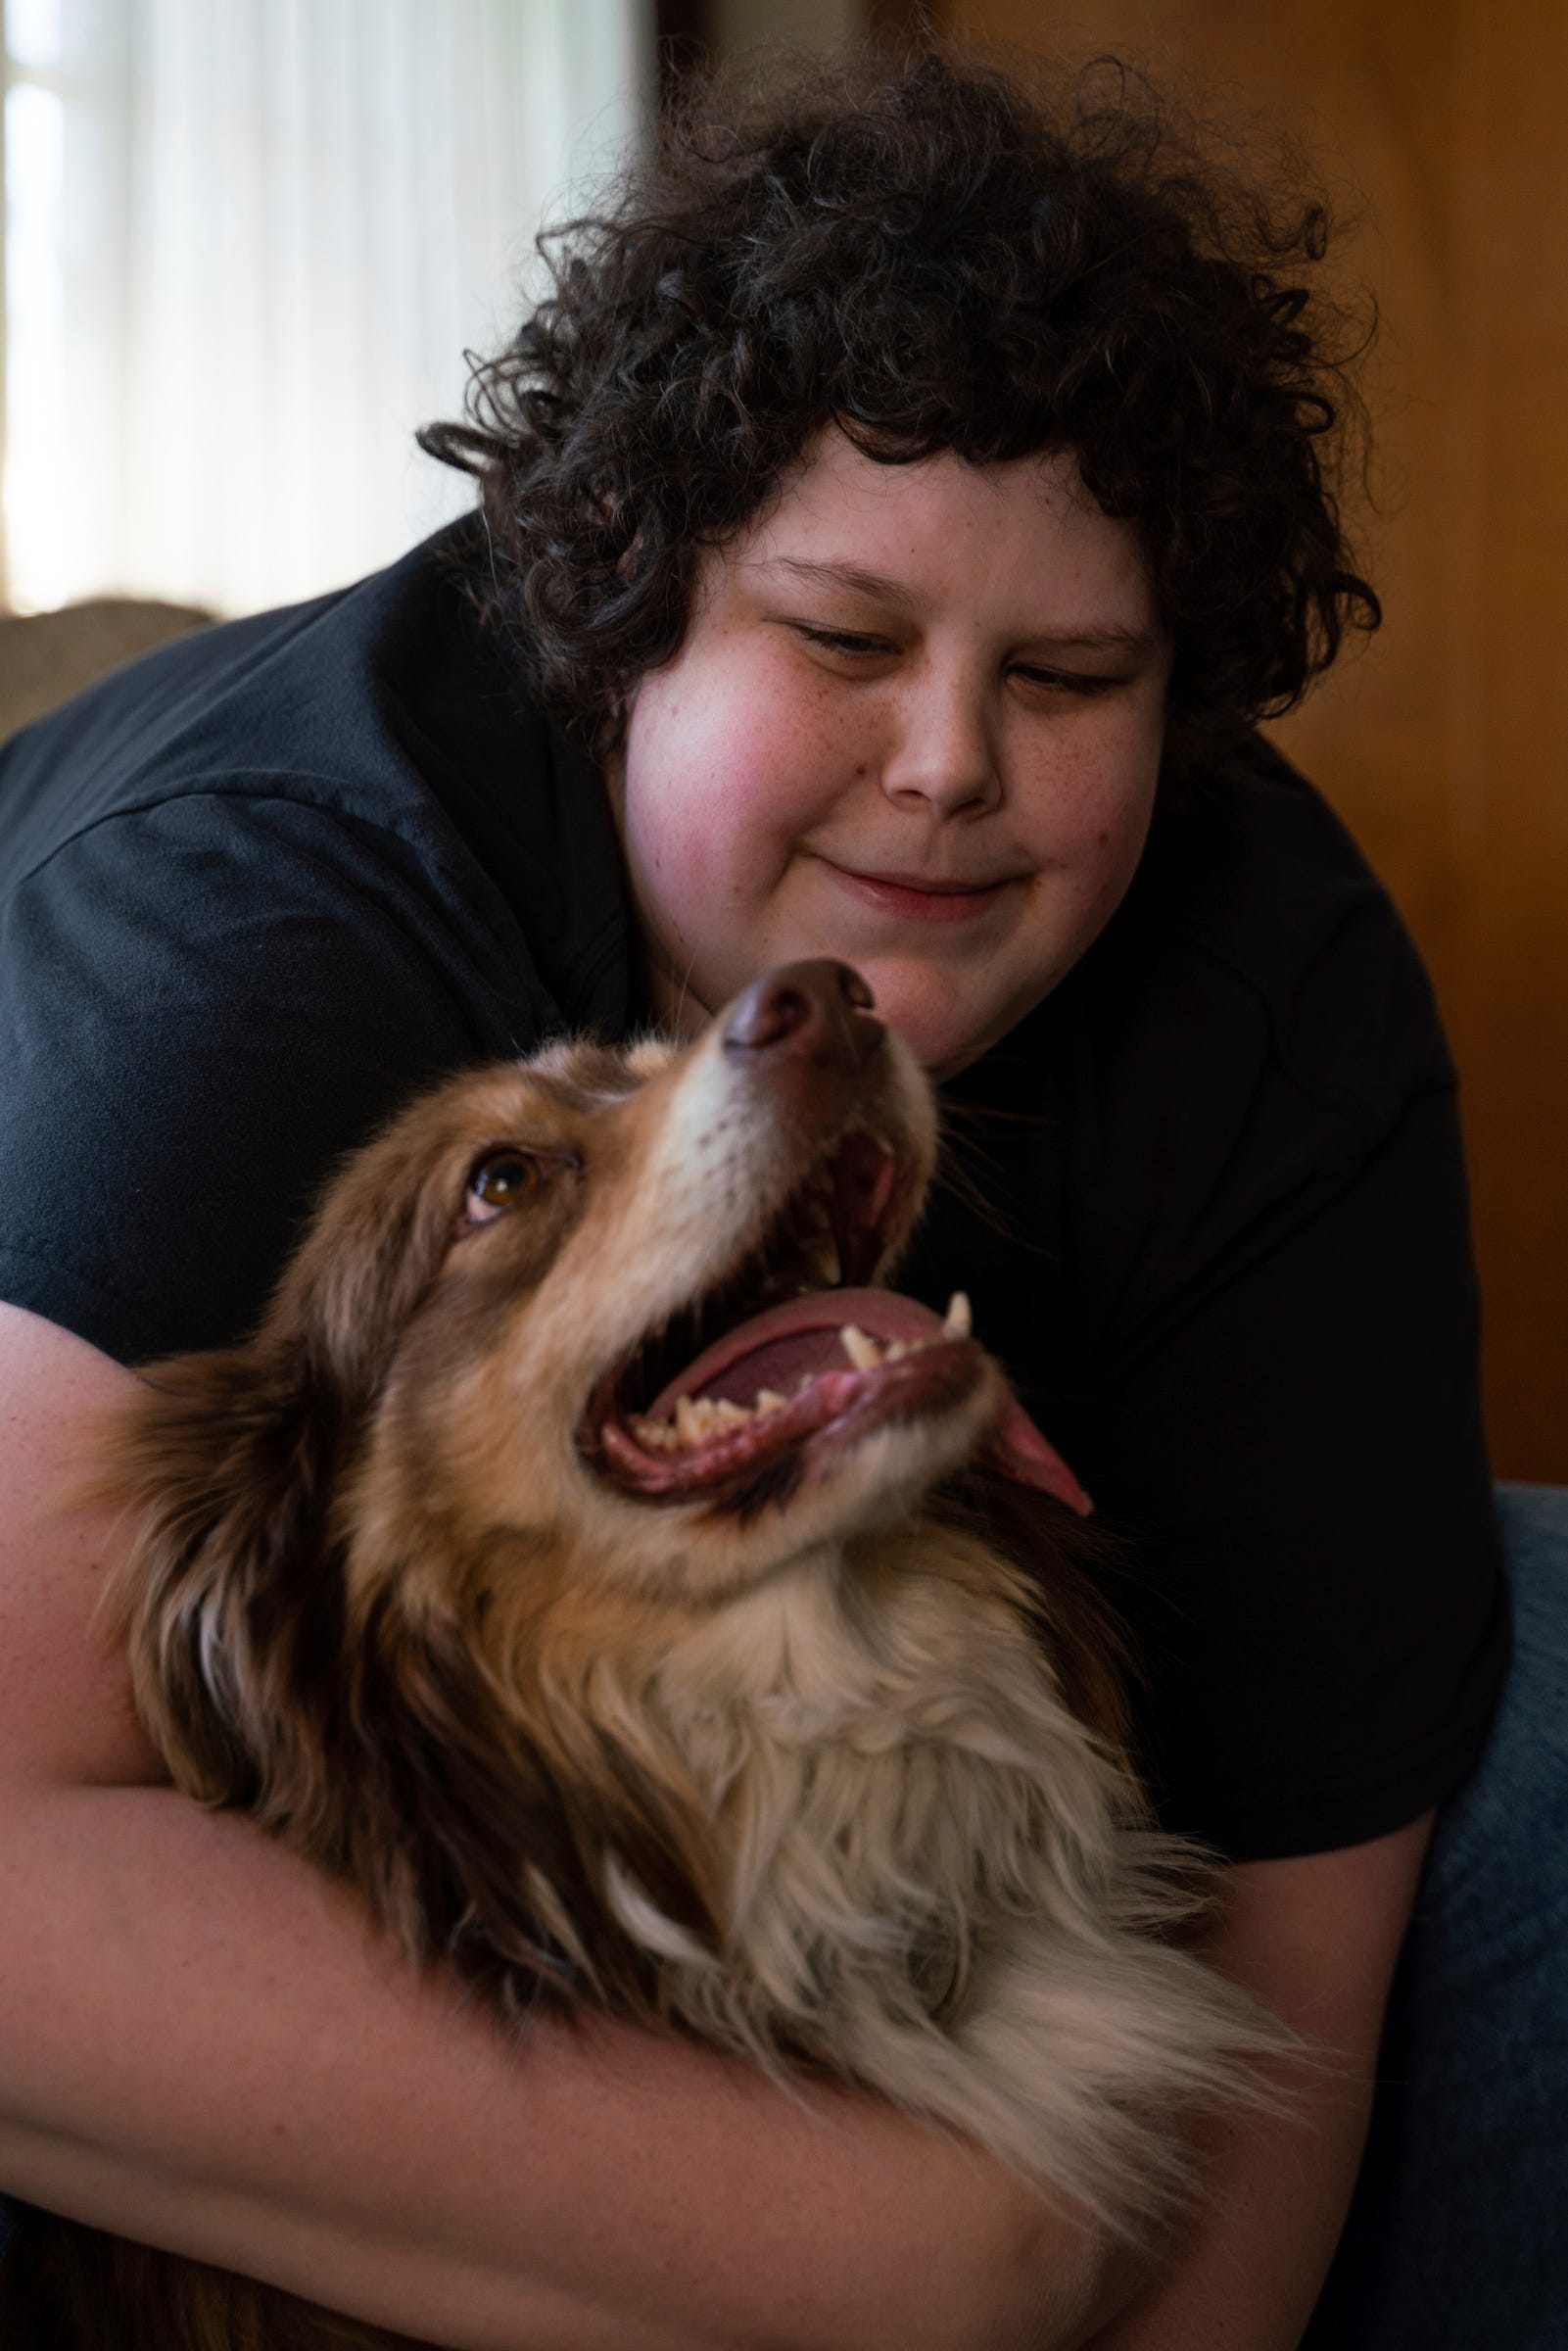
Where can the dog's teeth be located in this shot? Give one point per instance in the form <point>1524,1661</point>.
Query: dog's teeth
<point>897,1351</point>
<point>960,1322</point>
<point>697,1419</point>
<point>824,1264</point>
<point>862,1353</point>
<point>769,1401</point>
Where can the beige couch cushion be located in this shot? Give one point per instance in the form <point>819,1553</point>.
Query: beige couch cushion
<point>45,657</point>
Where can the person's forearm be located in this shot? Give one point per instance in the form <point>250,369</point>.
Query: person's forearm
<point>202,2045</point>
<point>1249,2271</point>
<point>1316,1939</point>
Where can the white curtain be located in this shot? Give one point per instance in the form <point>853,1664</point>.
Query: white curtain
<point>248,242</point>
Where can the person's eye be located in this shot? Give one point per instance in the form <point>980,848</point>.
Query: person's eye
<point>1067,680</point>
<point>844,641</point>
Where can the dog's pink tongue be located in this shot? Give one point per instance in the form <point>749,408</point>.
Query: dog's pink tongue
<point>1018,1448</point>
<point>800,1339</point>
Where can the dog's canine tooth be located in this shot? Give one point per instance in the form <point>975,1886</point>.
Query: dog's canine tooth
<point>960,1322</point>
<point>769,1401</point>
<point>688,1425</point>
<point>863,1352</point>
<point>822,1260</point>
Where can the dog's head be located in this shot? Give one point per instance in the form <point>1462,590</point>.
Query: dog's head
<point>605,1294</point>
<point>621,1306</point>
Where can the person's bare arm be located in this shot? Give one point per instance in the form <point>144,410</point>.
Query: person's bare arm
<point>203,2044</point>
<point>1317,1940</point>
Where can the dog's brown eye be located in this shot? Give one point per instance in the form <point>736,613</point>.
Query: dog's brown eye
<point>498,1182</point>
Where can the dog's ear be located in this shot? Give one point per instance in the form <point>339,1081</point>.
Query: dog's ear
<point>377,1240</point>
<point>536,1812</point>
<point>227,1463</point>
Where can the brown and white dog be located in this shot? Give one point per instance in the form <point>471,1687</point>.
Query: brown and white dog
<point>580,1562</point>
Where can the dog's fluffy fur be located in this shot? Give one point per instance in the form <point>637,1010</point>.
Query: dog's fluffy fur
<point>799,1754</point>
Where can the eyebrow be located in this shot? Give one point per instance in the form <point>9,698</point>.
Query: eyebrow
<point>1109,638</point>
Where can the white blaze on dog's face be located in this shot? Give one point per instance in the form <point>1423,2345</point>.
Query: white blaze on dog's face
<point>630,1354</point>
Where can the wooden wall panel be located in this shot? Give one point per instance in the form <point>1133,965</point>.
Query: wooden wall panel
<point>1444,743</point>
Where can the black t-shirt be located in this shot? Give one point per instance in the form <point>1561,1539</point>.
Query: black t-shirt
<point>263,883</point>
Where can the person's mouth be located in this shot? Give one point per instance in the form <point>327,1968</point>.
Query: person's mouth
<point>925,898</point>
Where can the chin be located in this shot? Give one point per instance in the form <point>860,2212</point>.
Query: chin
<point>943,1026</point>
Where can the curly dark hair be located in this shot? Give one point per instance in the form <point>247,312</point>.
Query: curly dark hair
<point>932,253</point>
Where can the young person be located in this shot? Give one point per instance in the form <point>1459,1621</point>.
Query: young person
<point>892,529</point>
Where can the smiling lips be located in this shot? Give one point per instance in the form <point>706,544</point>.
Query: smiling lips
<point>926,901</point>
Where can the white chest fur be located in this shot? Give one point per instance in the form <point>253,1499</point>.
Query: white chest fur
<point>938,1883</point>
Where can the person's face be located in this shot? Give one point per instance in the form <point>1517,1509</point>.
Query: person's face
<point>916,723</point>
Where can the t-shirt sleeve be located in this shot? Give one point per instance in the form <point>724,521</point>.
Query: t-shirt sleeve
<point>203,1004</point>
<point>1289,1433</point>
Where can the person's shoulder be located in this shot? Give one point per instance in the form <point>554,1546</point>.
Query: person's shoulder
<point>380,728</point>
<point>1249,859</point>
<point>1256,918</point>
<point>283,876</point>
<point>321,702</point>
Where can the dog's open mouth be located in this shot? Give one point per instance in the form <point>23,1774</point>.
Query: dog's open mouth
<point>790,1356</point>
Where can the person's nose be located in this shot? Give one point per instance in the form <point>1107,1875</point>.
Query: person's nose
<point>946,753</point>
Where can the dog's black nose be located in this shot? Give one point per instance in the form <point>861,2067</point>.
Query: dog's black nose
<point>815,1011</point>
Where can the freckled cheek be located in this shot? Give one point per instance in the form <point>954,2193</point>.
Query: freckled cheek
<point>1100,799</point>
